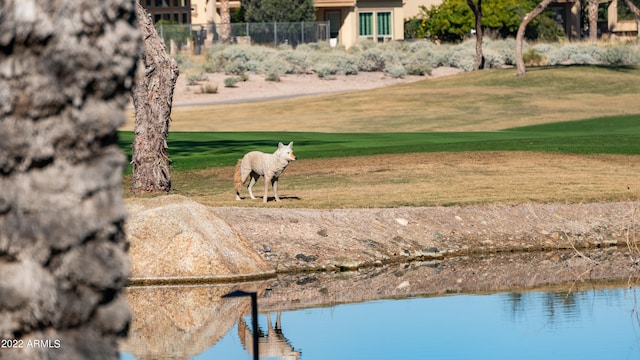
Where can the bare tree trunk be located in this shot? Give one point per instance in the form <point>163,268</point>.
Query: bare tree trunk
<point>477,11</point>
<point>152,98</point>
<point>593,20</point>
<point>634,9</point>
<point>66,76</point>
<point>225,17</point>
<point>520,35</point>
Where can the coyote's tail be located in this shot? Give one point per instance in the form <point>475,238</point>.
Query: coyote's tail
<point>237,177</point>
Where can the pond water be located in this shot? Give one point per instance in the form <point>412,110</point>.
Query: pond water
<point>585,324</point>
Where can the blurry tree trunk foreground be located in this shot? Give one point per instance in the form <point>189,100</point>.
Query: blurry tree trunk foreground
<point>66,72</point>
<point>152,99</point>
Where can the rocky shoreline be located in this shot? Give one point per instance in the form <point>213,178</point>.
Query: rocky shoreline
<point>293,240</point>
<point>512,245</point>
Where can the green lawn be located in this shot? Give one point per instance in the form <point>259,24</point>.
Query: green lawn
<point>199,150</point>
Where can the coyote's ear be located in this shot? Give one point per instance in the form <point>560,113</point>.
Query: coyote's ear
<point>280,145</point>
<point>290,145</point>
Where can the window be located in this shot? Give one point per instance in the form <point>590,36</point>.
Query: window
<point>365,24</point>
<point>381,31</point>
<point>384,23</point>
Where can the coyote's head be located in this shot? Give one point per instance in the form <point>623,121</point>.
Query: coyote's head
<point>286,152</point>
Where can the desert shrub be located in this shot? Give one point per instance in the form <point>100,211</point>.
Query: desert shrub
<point>253,66</point>
<point>284,47</point>
<point>396,58</point>
<point>209,88</point>
<point>395,70</point>
<point>505,49</point>
<point>371,59</point>
<point>214,50</point>
<point>492,59</point>
<point>399,47</point>
<point>194,76</point>
<point>347,64</point>
<point>589,54</point>
<point>274,68</point>
<point>543,48</point>
<point>243,77</point>
<point>313,47</point>
<point>239,59</point>
<point>439,56</point>
<point>417,65</point>
<point>533,57</point>
<point>619,55</point>
<point>364,45</point>
<point>575,54</point>
<point>230,81</point>
<point>423,56</point>
<point>238,53</point>
<point>210,68</point>
<point>582,59</point>
<point>183,61</point>
<point>461,57</point>
<point>421,46</point>
<point>418,68</point>
<point>325,70</point>
<point>299,61</point>
<point>308,47</point>
<point>336,62</point>
<point>236,67</point>
<point>215,59</point>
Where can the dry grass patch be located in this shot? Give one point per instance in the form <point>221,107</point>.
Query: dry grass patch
<point>432,179</point>
<point>485,100</point>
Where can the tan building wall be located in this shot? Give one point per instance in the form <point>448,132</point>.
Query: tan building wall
<point>205,12</point>
<point>412,7</point>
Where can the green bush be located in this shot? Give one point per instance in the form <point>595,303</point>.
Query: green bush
<point>533,57</point>
<point>231,81</point>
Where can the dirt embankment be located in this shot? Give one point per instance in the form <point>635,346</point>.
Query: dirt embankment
<point>471,248</point>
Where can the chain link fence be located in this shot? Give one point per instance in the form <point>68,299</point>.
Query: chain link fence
<point>196,38</point>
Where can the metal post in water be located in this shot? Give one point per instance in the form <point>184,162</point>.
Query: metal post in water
<point>254,317</point>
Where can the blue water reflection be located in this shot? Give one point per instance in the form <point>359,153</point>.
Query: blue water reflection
<point>598,324</point>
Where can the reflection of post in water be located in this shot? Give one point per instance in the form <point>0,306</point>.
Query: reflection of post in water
<point>254,315</point>
<point>273,344</point>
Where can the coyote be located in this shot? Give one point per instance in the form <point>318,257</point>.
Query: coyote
<point>257,163</point>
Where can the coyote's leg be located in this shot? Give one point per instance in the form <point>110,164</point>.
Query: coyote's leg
<point>267,180</point>
<point>274,185</point>
<point>243,178</point>
<point>252,182</point>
